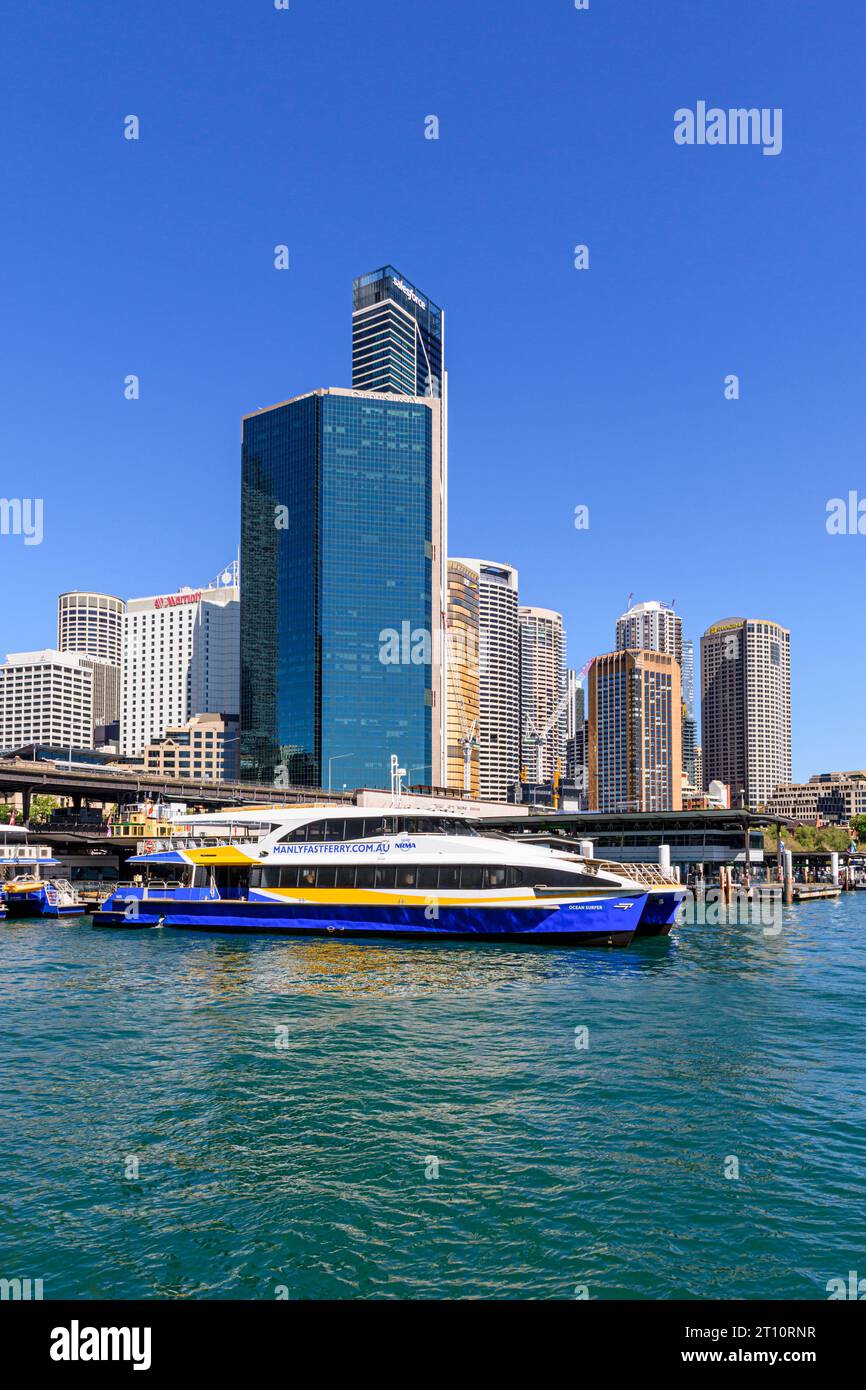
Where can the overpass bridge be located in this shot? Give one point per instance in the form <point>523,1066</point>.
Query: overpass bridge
<point>120,785</point>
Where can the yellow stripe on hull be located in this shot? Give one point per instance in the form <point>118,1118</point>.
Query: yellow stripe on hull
<point>393,897</point>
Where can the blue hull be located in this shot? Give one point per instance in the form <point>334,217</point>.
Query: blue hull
<point>608,923</point>
<point>27,905</point>
<point>660,912</point>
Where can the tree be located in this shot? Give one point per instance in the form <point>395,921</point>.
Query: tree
<point>41,808</point>
<point>5,815</point>
<point>858,825</point>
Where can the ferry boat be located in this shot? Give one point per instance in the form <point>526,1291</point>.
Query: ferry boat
<point>356,871</point>
<point>25,891</point>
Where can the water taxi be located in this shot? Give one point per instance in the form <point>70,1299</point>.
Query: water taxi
<point>25,891</point>
<point>353,871</point>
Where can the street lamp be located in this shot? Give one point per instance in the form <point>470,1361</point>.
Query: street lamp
<point>336,757</point>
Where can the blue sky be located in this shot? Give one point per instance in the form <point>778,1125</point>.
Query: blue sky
<point>602,387</point>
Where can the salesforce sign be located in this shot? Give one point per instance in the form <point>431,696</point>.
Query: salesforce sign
<point>410,293</point>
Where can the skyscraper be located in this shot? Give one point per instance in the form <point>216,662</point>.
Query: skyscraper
<point>690,727</point>
<point>746,708</point>
<point>397,336</point>
<point>344,591</point>
<point>91,625</point>
<point>180,658</point>
<point>635,731</point>
<point>651,627</point>
<point>462,658</point>
<point>543,714</point>
<point>688,665</point>
<point>46,697</point>
<point>499,748</point>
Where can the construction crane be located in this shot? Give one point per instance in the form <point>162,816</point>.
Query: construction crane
<point>537,738</point>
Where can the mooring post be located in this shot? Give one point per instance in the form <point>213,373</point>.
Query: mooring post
<point>788,863</point>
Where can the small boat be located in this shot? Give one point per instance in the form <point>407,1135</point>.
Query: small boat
<point>25,891</point>
<point>395,873</point>
<point>29,895</point>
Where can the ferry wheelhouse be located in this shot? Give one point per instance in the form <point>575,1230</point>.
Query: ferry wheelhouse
<point>353,871</point>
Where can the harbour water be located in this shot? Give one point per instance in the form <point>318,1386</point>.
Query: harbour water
<point>198,1116</point>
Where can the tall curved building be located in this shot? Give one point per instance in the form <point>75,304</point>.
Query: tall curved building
<point>746,708</point>
<point>499,683</point>
<point>91,624</point>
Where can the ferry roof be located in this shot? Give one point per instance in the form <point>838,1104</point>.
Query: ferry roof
<point>286,815</point>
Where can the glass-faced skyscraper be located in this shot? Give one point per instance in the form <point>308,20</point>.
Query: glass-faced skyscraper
<point>342,559</point>
<point>397,336</point>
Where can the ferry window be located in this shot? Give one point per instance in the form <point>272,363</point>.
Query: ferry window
<point>428,875</point>
<point>365,876</point>
<point>281,878</point>
<point>256,877</point>
<point>406,876</point>
<point>345,875</point>
<point>449,876</point>
<point>316,830</point>
<point>354,829</point>
<point>306,878</point>
<point>494,877</point>
<point>385,875</point>
<point>334,829</point>
<point>515,877</point>
<point>326,876</point>
<point>374,826</point>
<point>471,876</point>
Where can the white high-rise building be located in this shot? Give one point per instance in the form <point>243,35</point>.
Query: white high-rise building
<point>651,627</point>
<point>499,640</point>
<point>688,665</point>
<point>746,708</point>
<point>543,704</point>
<point>181,656</point>
<point>91,625</point>
<point>46,697</point>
